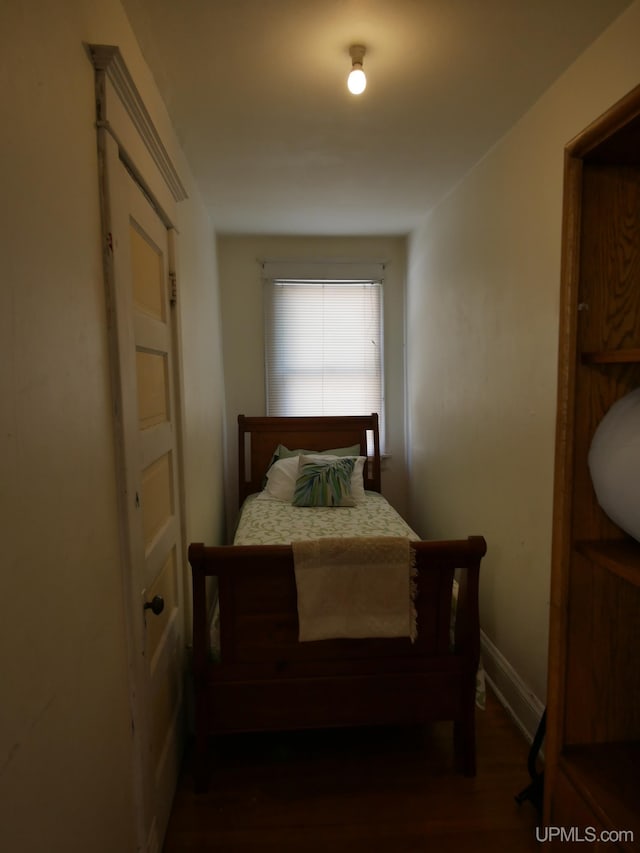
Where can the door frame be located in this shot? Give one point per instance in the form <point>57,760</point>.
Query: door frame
<point>124,124</point>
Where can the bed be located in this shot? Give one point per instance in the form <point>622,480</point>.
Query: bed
<point>255,668</point>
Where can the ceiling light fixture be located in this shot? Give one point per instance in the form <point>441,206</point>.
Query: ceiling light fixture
<point>356,82</point>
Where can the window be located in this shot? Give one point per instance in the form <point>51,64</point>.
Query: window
<point>323,342</point>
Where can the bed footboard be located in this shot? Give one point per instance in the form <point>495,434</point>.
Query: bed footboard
<point>260,677</point>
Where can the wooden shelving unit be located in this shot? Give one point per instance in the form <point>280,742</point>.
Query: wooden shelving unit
<point>592,775</point>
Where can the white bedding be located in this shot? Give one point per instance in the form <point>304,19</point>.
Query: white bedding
<point>272,522</point>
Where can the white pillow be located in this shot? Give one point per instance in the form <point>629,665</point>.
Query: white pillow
<point>281,479</point>
<point>614,463</point>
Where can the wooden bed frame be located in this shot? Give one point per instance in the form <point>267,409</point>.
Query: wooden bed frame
<point>266,679</point>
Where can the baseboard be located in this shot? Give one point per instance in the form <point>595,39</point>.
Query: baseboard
<point>518,700</point>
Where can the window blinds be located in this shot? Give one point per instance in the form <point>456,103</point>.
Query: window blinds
<point>323,344</point>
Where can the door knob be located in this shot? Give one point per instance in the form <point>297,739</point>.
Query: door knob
<point>156,605</point>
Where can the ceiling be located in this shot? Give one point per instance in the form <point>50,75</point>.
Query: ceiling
<point>256,90</point>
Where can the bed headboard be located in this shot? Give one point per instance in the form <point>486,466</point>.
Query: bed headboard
<point>259,437</point>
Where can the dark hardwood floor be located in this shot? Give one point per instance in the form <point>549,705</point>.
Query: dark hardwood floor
<point>360,791</point>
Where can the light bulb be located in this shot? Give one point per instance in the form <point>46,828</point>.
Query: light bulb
<point>357,81</point>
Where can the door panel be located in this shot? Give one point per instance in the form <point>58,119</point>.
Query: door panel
<point>147,265</point>
<point>157,498</point>
<point>153,389</point>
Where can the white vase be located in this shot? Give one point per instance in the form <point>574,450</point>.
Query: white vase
<point>614,463</point>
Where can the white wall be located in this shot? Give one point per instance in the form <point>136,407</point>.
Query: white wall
<point>203,375</point>
<point>242,309</point>
<point>65,742</point>
<point>482,308</point>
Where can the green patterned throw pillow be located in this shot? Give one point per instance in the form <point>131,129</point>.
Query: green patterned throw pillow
<point>324,483</point>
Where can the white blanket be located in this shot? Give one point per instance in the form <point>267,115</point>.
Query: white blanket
<point>355,587</point>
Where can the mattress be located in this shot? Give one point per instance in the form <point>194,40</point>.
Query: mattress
<point>272,522</point>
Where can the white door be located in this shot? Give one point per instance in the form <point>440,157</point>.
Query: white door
<point>146,428</point>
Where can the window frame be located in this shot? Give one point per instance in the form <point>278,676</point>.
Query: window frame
<point>316,281</point>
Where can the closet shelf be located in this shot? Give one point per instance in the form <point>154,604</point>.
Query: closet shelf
<point>607,775</point>
<point>617,356</point>
<point>620,556</point>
